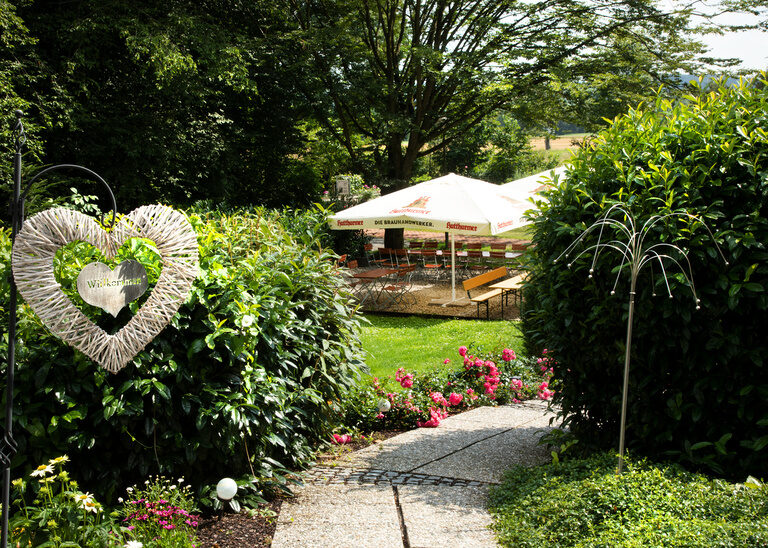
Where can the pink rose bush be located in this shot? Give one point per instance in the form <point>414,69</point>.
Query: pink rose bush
<point>405,379</point>
<point>425,399</point>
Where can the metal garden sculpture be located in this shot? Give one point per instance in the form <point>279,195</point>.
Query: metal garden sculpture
<point>636,253</point>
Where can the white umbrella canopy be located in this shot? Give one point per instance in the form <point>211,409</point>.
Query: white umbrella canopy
<point>518,193</point>
<point>452,203</point>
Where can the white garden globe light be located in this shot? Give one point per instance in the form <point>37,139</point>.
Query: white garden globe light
<point>226,489</point>
<point>384,406</point>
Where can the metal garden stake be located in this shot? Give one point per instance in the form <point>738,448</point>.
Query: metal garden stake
<point>635,253</point>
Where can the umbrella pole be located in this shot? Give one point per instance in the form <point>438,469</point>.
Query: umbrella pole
<point>453,269</point>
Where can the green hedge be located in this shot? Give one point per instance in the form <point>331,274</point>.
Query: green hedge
<point>698,382</point>
<point>584,503</point>
<point>242,379</point>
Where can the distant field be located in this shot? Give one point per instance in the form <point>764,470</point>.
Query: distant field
<point>559,143</point>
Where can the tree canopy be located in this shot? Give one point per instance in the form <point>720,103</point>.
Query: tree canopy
<point>262,102</point>
<point>400,80</point>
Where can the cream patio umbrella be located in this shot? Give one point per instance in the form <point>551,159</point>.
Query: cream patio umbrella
<point>452,203</point>
<point>518,193</point>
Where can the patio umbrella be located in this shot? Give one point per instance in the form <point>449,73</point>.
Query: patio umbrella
<point>519,192</point>
<point>452,203</point>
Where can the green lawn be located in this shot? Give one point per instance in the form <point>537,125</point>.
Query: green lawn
<point>520,233</point>
<point>421,344</point>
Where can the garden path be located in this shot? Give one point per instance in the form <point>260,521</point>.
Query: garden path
<point>421,489</point>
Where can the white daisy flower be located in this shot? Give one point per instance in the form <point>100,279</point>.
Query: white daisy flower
<point>42,470</point>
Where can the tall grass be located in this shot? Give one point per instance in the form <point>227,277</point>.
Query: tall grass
<point>422,344</point>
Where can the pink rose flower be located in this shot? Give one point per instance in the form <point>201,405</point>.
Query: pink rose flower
<point>446,361</point>
<point>455,399</point>
<point>341,439</point>
<point>407,381</point>
<point>462,351</point>
<point>508,355</point>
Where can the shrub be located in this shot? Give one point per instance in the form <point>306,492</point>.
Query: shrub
<point>698,382</point>
<point>241,381</point>
<point>584,503</point>
<point>424,399</point>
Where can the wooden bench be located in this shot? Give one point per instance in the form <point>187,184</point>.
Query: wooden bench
<point>482,279</point>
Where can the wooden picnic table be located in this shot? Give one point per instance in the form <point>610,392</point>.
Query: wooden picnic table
<point>507,286</point>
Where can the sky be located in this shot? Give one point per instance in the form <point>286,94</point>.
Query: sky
<point>749,46</point>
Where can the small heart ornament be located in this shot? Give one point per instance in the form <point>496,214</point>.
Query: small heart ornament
<point>110,289</point>
<point>43,234</point>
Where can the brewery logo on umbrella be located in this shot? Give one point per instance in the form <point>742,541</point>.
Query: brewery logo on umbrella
<point>419,205</point>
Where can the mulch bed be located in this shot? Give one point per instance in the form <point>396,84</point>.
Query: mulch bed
<point>242,530</point>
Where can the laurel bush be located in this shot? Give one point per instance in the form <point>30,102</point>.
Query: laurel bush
<point>241,381</point>
<point>698,386</point>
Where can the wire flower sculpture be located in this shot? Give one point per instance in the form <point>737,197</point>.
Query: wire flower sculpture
<point>636,253</point>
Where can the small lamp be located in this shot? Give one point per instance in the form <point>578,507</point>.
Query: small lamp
<point>384,406</point>
<point>226,489</point>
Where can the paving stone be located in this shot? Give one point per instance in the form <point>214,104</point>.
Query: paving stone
<point>332,516</point>
<point>441,475</point>
<point>446,516</point>
<point>488,460</point>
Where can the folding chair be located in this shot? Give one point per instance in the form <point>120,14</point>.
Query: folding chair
<point>475,262</point>
<point>432,263</point>
<point>401,258</point>
<point>398,290</point>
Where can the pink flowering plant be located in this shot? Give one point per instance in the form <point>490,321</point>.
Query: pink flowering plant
<point>424,399</point>
<point>160,514</point>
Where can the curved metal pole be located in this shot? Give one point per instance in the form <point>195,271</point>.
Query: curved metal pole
<point>625,388</point>
<point>8,445</point>
<point>61,167</point>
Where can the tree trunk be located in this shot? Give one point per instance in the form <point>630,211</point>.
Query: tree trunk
<point>394,238</point>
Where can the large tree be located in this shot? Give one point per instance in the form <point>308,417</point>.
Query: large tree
<point>410,75</point>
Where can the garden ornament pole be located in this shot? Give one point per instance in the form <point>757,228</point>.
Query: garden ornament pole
<point>9,446</point>
<point>636,254</point>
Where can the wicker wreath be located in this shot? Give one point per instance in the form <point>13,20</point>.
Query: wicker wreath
<point>44,233</point>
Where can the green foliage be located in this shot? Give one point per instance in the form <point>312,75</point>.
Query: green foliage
<point>584,503</point>
<point>698,381</point>
<point>240,382</point>
<point>169,102</point>
<point>53,512</point>
<point>508,155</point>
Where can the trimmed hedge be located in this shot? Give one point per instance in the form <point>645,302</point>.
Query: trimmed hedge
<point>243,379</point>
<point>584,503</point>
<point>699,379</point>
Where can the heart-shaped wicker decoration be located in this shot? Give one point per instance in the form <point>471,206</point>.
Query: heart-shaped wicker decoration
<point>43,234</point>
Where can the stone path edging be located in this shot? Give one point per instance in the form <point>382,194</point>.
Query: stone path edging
<point>324,475</point>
